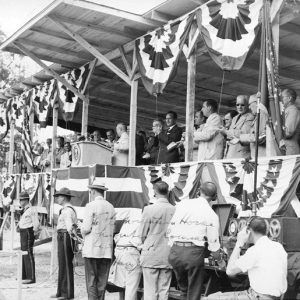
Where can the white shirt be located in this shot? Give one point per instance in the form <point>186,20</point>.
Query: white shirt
<point>195,221</point>
<point>67,218</point>
<point>266,263</point>
<point>29,218</point>
<point>98,228</point>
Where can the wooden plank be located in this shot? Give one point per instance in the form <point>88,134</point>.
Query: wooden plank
<point>162,17</point>
<point>92,50</point>
<point>190,98</point>
<point>114,12</point>
<point>132,122</point>
<point>55,49</point>
<point>125,61</point>
<point>96,27</point>
<point>85,118</point>
<point>193,43</point>
<point>11,147</point>
<point>50,71</point>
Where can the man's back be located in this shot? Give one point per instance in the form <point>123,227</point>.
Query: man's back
<point>266,264</point>
<point>99,219</point>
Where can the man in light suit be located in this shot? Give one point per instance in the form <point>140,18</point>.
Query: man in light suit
<point>251,136</point>
<point>121,147</point>
<point>97,230</point>
<point>240,125</point>
<point>168,150</point>
<point>292,120</point>
<point>199,122</point>
<point>210,140</point>
<point>157,271</point>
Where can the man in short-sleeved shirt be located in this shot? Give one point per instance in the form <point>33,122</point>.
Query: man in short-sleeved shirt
<point>265,262</point>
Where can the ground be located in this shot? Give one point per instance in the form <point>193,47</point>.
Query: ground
<point>46,283</point>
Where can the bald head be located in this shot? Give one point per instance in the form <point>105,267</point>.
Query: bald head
<point>121,127</point>
<point>208,190</point>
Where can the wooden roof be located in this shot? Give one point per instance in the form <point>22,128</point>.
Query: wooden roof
<point>108,29</point>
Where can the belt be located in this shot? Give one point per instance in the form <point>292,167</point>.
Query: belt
<point>263,296</point>
<point>62,231</point>
<point>26,229</point>
<point>184,244</point>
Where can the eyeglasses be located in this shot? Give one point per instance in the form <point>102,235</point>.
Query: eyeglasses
<point>239,104</point>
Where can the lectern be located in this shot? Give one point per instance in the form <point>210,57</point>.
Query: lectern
<point>88,153</point>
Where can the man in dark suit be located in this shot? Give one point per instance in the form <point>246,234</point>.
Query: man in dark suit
<point>168,140</point>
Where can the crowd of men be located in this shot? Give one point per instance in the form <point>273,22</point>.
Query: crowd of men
<point>153,243</point>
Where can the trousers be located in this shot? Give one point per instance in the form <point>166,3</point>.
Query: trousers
<point>96,275</point>
<point>188,266</point>
<point>28,263</point>
<point>156,283</point>
<point>65,247</point>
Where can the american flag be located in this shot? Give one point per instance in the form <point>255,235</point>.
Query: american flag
<point>26,148</point>
<point>275,105</point>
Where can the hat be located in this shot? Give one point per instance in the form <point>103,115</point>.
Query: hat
<point>24,196</point>
<point>63,192</point>
<point>100,187</point>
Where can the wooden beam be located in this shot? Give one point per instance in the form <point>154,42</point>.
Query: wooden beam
<point>193,43</point>
<point>114,12</point>
<point>54,133</point>
<point>11,147</point>
<point>162,17</point>
<point>96,27</point>
<point>50,71</point>
<point>55,49</point>
<point>190,98</point>
<point>92,50</point>
<point>125,61</point>
<point>134,31</point>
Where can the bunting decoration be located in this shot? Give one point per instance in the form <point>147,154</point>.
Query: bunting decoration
<point>67,99</point>
<point>9,190</point>
<point>277,180</point>
<point>43,98</point>
<point>15,110</point>
<point>158,53</point>
<point>229,29</point>
<point>3,120</point>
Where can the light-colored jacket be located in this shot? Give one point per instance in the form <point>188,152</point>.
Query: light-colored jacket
<point>121,148</point>
<point>241,124</point>
<point>210,141</point>
<point>292,122</point>
<point>97,229</point>
<point>251,136</point>
<point>152,234</point>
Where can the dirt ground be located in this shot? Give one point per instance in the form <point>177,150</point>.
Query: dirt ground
<point>46,283</point>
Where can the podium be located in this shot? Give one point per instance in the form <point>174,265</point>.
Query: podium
<point>88,153</point>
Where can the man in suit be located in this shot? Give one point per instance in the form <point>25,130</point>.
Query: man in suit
<point>240,125</point>
<point>121,147</point>
<point>250,137</point>
<point>210,140</point>
<point>199,122</point>
<point>292,120</point>
<point>97,230</point>
<point>157,272</point>
<point>168,140</point>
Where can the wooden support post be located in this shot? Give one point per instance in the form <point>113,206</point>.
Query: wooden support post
<point>84,120</point>
<point>11,147</point>
<point>54,135</point>
<point>20,254</point>
<point>31,119</point>
<point>132,122</point>
<point>190,99</point>
<point>12,228</point>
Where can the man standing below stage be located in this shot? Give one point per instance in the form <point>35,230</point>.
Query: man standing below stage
<point>265,263</point>
<point>292,121</point>
<point>210,141</point>
<point>28,225</point>
<point>193,226</point>
<point>121,146</point>
<point>97,230</point>
<point>157,271</point>
<point>168,140</point>
<point>65,245</point>
<point>240,124</point>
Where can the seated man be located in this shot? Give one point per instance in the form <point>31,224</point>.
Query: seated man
<point>265,262</point>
